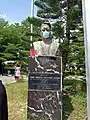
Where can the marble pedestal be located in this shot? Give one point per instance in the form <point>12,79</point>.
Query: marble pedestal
<point>44,88</point>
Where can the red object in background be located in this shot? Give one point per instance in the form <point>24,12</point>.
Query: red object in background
<point>32,52</point>
<point>79,89</point>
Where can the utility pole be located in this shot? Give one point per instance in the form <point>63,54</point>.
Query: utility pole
<point>86,21</point>
<point>32,15</point>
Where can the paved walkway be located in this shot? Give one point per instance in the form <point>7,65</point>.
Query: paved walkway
<point>7,79</point>
<point>10,79</point>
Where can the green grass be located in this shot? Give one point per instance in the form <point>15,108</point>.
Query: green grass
<point>74,106</point>
<point>17,100</point>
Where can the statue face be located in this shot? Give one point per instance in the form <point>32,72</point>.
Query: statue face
<point>45,27</point>
<point>45,31</point>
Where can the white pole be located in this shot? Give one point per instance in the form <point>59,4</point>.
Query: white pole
<point>32,15</point>
<point>86,21</point>
<point>61,86</point>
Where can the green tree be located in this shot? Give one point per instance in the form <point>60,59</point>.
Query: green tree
<point>27,30</point>
<point>67,16</point>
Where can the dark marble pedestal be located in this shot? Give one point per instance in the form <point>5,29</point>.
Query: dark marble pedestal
<point>44,89</point>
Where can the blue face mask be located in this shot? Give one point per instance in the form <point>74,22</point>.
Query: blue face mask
<point>46,34</point>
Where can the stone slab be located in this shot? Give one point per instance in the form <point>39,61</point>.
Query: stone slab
<point>44,89</point>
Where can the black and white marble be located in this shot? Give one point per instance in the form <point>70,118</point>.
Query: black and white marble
<point>45,64</point>
<point>44,105</point>
<point>44,95</point>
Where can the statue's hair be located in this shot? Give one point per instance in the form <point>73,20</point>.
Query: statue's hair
<point>47,23</point>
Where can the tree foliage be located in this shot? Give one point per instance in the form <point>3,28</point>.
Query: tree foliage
<point>67,26</point>
<point>67,17</point>
<point>15,40</point>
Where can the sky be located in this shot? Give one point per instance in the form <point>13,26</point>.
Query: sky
<point>15,10</point>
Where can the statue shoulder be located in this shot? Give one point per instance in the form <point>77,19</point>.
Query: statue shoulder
<point>36,44</point>
<point>56,43</point>
<point>37,47</point>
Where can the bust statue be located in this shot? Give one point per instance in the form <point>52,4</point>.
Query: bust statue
<point>47,46</point>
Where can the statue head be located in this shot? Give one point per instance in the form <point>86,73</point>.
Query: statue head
<point>46,30</point>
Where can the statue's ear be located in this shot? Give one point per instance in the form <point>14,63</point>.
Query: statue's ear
<point>51,34</point>
<point>41,33</point>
